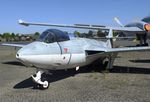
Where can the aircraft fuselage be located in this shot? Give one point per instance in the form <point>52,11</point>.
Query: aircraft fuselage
<point>59,55</point>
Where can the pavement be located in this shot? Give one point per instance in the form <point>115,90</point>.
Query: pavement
<point>129,81</point>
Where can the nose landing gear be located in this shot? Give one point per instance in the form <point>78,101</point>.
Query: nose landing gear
<point>37,78</point>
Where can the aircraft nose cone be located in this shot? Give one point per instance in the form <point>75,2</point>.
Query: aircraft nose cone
<point>17,55</point>
<point>26,53</point>
<point>21,54</point>
<point>22,58</point>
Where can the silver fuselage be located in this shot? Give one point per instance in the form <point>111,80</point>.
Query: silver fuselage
<point>59,55</point>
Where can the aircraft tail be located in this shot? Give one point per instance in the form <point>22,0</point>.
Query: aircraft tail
<point>109,42</point>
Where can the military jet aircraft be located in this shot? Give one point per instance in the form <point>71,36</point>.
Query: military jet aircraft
<point>143,24</point>
<point>55,50</point>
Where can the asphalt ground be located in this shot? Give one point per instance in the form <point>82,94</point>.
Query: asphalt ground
<point>129,81</point>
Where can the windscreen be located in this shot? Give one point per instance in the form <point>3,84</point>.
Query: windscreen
<point>53,35</point>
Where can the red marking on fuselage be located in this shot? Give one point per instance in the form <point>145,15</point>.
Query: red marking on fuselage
<point>66,50</point>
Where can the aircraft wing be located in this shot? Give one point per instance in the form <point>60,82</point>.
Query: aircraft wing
<point>98,51</point>
<point>128,49</point>
<point>83,26</point>
<point>13,45</point>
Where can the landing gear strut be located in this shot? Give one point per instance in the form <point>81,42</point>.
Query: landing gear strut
<point>108,62</point>
<point>37,78</point>
<point>142,38</point>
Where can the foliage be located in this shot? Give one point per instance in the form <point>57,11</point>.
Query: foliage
<point>77,33</point>
<point>36,35</point>
<point>9,37</point>
<point>90,33</point>
<point>101,34</point>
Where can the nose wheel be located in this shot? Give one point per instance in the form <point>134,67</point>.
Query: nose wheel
<point>37,78</point>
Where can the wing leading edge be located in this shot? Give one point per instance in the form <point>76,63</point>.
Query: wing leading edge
<point>128,49</point>
<point>117,50</point>
<point>82,26</point>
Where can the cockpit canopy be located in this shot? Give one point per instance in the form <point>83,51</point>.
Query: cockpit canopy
<point>53,35</point>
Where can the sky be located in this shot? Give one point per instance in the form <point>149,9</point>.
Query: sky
<point>99,12</point>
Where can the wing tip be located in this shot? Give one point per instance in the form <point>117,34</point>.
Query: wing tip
<point>22,22</point>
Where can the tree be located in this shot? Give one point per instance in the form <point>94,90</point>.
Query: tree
<point>90,34</point>
<point>13,35</point>
<point>77,33</point>
<point>83,35</point>
<point>101,34</point>
<point>36,35</point>
<point>7,36</point>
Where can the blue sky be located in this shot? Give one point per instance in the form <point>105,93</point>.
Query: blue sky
<point>68,12</point>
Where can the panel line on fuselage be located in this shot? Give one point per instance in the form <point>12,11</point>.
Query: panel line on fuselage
<point>60,48</point>
<point>69,58</point>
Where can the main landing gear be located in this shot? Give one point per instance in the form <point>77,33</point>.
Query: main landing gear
<point>143,39</point>
<point>37,78</point>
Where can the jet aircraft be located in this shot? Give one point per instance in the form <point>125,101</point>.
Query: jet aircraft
<point>55,50</point>
<point>143,24</point>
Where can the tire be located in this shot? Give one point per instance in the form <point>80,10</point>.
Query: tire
<point>43,87</point>
<point>46,85</point>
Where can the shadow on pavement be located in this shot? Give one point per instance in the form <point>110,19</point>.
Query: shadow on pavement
<point>141,61</point>
<point>54,75</point>
<point>130,70</point>
<point>62,74</point>
<point>13,63</point>
<point>25,84</point>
